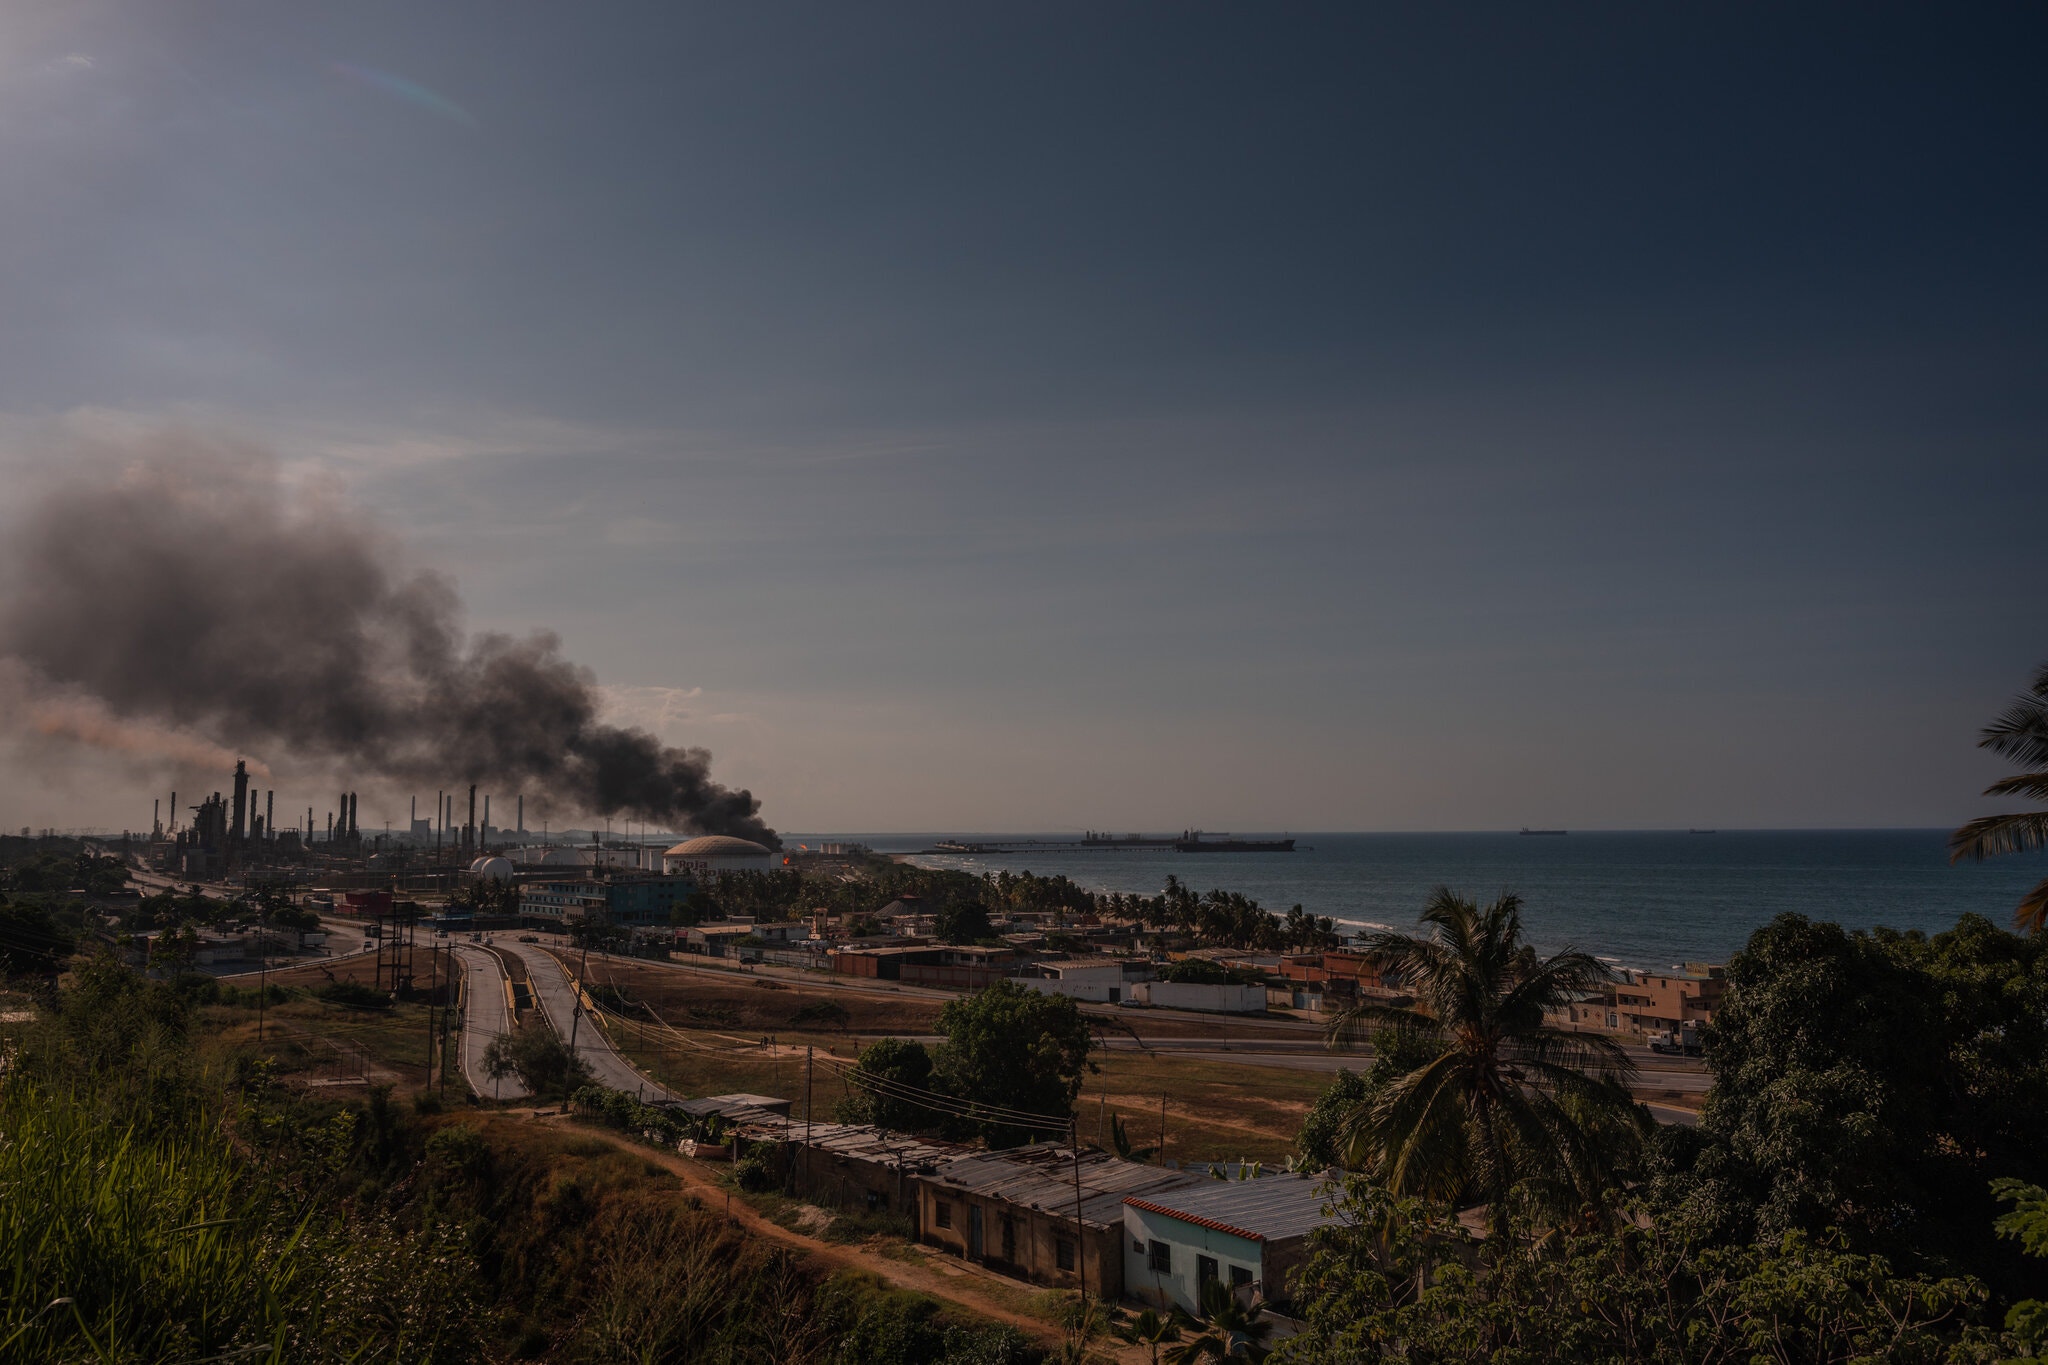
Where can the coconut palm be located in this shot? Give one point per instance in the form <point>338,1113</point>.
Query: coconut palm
<point>1505,1103</point>
<point>2021,734</point>
<point>1232,1330</point>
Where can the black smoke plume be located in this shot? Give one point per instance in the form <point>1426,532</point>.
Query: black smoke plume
<point>190,589</point>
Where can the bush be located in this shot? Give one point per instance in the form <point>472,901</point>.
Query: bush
<point>752,1173</point>
<point>355,995</point>
<point>820,1014</point>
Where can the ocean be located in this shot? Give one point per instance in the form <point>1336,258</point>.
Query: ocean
<point>1642,899</point>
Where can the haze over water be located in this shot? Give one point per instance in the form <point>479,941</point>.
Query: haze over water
<point>1645,898</point>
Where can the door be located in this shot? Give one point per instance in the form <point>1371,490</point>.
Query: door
<point>974,1231</point>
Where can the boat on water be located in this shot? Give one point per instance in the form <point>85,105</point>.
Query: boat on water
<point>1193,842</point>
<point>1527,830</point>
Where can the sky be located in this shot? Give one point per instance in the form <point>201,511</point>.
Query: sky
<point>1063,416</point>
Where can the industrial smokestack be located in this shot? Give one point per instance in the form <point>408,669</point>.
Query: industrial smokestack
<point>355,828</point>
<point>241,832</point>
<point>270,815</point>
<point>330,657</point>
<point>174,810</point>
<point>156,818</point>
<point>483,833</point>
<point>522,818</point>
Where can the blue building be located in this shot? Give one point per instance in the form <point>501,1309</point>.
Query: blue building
<point>631,902</point>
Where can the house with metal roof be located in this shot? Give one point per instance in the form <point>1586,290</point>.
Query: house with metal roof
<point>1250,1235</point>
<point>1038,1213</point>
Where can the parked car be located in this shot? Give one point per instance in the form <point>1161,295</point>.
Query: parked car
<point>529,938</point>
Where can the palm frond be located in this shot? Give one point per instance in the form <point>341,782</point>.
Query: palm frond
<point>1367,1017</point>
<point>2021,730</point>
<point>1553,1051</point>
<point>1415,1133</point>
<point>2032,915</point>
<point>1992,835</point>
<point>2021,784</point>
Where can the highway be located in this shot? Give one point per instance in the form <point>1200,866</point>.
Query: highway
<point>558,1002</point>
<point>485,1015</point>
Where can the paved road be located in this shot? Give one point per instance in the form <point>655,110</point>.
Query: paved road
<point>559,1003</point>
<point>484,1017</point>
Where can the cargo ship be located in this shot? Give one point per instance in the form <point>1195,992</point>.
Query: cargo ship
<point>1193,842</point>
<point>1527,830</point>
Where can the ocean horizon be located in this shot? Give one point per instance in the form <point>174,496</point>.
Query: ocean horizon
<point>1653,899</point>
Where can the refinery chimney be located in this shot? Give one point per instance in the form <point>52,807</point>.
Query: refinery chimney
<point>270,815</point>
<point>469,829</point>
<point>241,831</point>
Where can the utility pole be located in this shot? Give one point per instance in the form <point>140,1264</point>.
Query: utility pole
<point>433,983</point>
<point>810,1054</point>
<point>1162,1127</point>
<point>1080,1230</point>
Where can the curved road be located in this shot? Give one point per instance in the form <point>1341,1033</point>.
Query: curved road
<point>559,1003</point>
<point>484,1017</point>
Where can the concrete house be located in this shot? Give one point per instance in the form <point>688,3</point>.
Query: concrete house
<point>1250,1235</point>
<point>1015,1211</point>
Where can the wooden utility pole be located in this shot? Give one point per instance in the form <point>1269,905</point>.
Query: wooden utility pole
<point>1162,1127</point>
<point>810,1053</point>
<point>1080,1229</point>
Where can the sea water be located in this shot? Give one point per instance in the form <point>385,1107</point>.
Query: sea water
<point>1643,899</point>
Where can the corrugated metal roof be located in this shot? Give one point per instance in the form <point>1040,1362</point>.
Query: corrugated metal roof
<point>1269,1209</point>
<point>866,1143</point>
<point>1042,1178</point>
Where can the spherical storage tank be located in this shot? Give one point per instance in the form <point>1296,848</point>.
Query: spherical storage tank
<point>716,853</point>
<point>492,869</point>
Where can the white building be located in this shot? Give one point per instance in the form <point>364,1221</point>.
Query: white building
<point>1248,1235</point>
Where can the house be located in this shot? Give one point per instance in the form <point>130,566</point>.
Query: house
<point>1642,1003</point>
<point>859,1166</point>
<point>927,964</point>
<point>1251,1235</point>
<point>1037,1213</point>
<point>719,938</point>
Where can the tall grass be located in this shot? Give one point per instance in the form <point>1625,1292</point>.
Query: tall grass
<point>119,1243</point>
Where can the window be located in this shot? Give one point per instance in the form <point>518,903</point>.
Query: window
<point>1161,1259</point>
<point>877,1201</point>
<point>1240,1278</point>
<point>1063,1253</point>
<point>1205,1271</point>
<point>1010,1239</point>
<point>944,1214</point>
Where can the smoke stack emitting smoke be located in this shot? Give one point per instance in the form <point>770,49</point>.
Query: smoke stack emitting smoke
<point>193,592</point>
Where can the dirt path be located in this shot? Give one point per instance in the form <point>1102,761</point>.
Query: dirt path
<point>955,1289</point>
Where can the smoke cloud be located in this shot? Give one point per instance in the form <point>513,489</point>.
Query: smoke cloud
<point>192,592</point>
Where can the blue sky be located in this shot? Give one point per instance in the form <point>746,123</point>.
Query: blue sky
<point>1069,416</point>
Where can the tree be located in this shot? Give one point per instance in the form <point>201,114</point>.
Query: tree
<point>2027,1224</point>
<point>2021,734</point>
<point>1871,1084</point>
<point>31,944</point>
<point>1399,1280</point>
<point>963,922</point>
<point>1505,1100</point>
<point>1231,1330</point>
<point>539,1059</point>
<point>878,1092</point>
<point>1014,1049</point>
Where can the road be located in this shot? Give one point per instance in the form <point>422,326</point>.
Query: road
<point>559,1003</point>
<point>484,1017</point>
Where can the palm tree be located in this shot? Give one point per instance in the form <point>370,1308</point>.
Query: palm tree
<point>2021,734</point>
<point>1233,1330</point>
<point>1151,1329</point>
<point>1506,1101</point>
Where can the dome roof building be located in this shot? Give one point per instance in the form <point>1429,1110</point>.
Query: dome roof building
<point>716,853</point>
